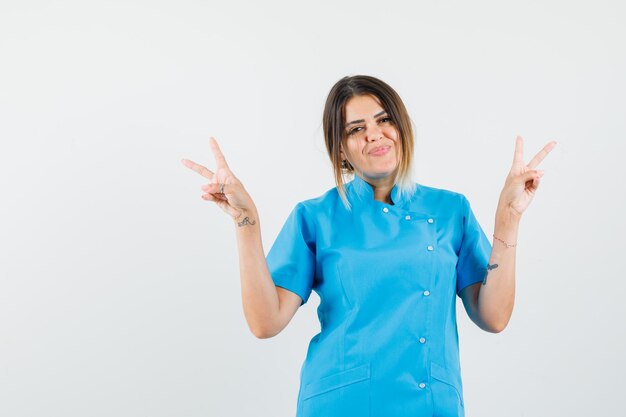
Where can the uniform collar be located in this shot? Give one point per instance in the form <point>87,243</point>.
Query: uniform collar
<point>363,192</point>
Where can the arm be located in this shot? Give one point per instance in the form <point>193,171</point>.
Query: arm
<point>490,304</point>
<point>267,308</point>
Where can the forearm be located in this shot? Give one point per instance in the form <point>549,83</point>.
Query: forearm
<point>258,292</point>
<point>497,292</point>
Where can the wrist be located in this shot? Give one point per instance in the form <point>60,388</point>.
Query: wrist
<point>507,216</point>
<point>246,216</point>
<point>506,225</point>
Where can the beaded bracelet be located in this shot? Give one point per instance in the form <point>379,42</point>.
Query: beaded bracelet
<point>505,244</point>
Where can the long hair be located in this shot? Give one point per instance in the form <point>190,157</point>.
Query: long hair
<point>334,128</point>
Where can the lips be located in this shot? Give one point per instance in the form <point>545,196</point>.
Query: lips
<point>379,150</point>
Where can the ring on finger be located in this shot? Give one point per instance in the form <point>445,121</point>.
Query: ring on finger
<point>221,188</point>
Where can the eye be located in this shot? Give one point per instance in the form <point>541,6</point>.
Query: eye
<point>354,130</point>
<point>385,119</point>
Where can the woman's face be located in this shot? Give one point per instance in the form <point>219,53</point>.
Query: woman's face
<point>372,143</point>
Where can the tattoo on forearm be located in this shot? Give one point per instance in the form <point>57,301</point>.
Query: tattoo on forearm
<point>246,221</point>
<point>489,268</point>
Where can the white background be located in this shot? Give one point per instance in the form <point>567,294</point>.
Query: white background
<point>119,285</point>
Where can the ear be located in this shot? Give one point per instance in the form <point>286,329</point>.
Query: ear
<point>343,155</point>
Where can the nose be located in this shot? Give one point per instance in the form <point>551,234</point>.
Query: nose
<point>374,133</point>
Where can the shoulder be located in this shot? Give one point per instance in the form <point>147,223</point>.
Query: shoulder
<point>440,196</point>
<point>320,204</point>
<point>305,215</point>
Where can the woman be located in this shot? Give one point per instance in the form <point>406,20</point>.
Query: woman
<point>387,257</point>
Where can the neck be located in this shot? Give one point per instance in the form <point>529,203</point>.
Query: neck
<point>382,188</point>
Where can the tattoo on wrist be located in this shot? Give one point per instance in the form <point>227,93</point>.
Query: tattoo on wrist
<point>246,221</point>
<point>489,268</point>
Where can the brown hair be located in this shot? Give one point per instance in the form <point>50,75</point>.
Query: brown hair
<point>334,127</point>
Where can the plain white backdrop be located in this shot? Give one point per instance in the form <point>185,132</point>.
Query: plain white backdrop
<point>119,285</point>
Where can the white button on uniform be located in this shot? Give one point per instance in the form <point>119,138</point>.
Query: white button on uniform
<point>430,247</point>
<point>422,340</point>
<point>426,293</point>
<point>407,218</point>
<point>422,385</point>
<point>430,220</point>
<point>385,209</point>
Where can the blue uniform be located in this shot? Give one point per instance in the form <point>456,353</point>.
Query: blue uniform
<point>387,276</point>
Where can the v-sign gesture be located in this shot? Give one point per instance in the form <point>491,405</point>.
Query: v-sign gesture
<point>523,180</point>
<point>223,188</point>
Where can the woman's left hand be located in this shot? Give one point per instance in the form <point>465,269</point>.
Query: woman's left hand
<point>523,180</point>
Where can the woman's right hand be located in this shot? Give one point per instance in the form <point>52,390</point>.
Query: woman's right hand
<point>223,188</point>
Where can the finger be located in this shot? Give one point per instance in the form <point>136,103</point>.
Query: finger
<point>535,184</point>
<point>530,175</point>
<point>542,154</point>
<point>205,172</point>
<point>217,152</point>
<point>214,188</point>
<point>518,155</point>
<point>216,198</point>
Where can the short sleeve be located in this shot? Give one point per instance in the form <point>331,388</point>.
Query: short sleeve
<point>291,260</point>
<point>475,250</point>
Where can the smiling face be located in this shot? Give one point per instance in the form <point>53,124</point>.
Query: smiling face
<point>372,143</point>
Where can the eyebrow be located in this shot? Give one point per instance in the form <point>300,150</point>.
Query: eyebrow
<point>362,120</point>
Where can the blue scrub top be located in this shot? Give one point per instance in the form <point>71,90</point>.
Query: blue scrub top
<point>387,276</point>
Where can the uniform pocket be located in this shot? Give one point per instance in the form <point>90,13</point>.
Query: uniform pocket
<point>345,393</point>
<point>444,385</point>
